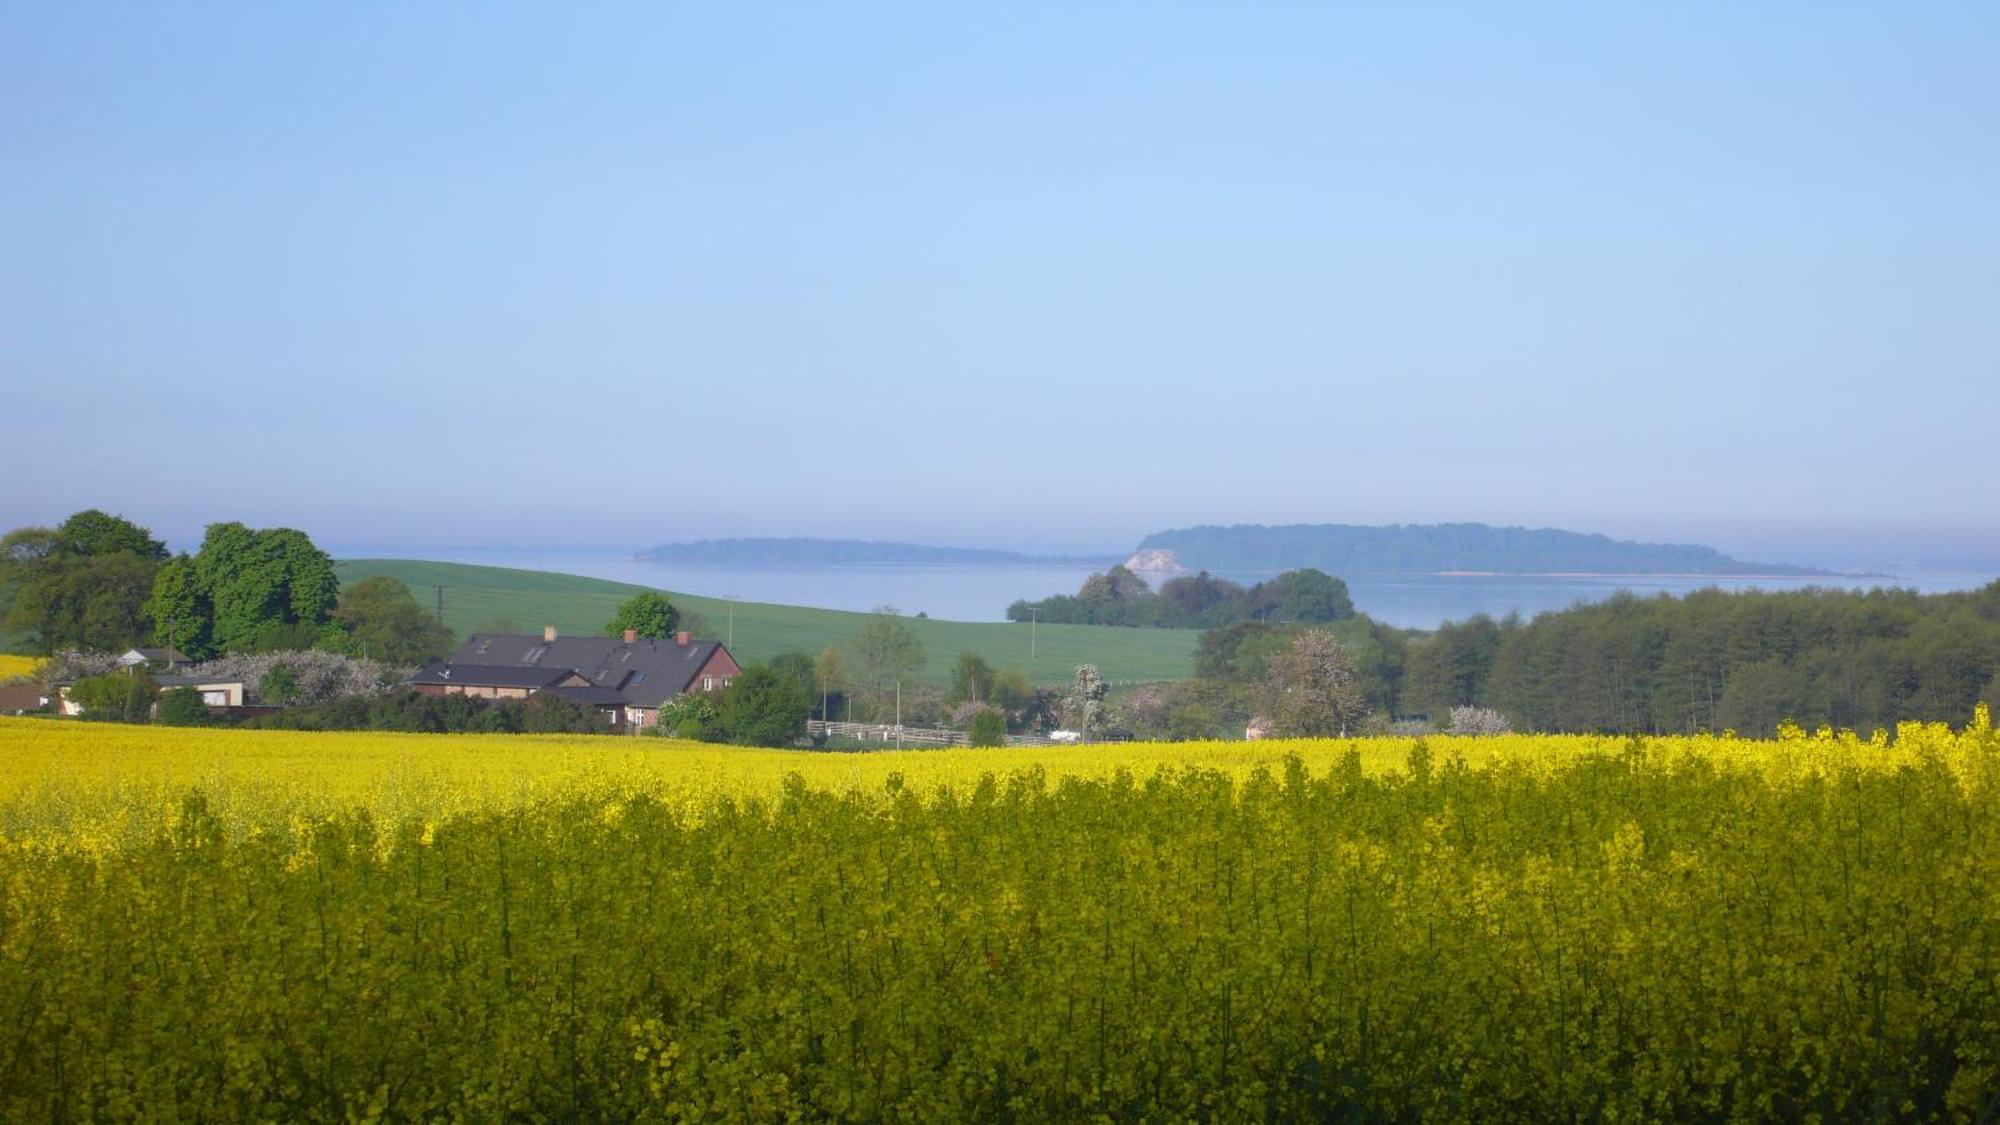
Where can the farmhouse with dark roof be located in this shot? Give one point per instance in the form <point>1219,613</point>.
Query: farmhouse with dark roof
<point>625,678</point>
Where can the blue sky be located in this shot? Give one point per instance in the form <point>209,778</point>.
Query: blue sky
<point>1048,276</point>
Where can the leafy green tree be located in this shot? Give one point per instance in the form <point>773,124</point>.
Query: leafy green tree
<point>1311,597</point>
<point>763,708</point>
<point>311,587</point>
<point>650,614</point>
<point>1239,652</point>
<point>887,650</point>
<point>989,728</point>
<point>796,667</point>
<point>1012,692</point>
<point>179,609</point>
<point>265,589</point>
<point>1195,598</point>
<point>182,707</point>
<point>83,585</point>
<point>92,533</point>
<point>971,679</point>
<point>384,622</point>
<point>20,550</point>
<point>83,602</point>
<point>115,697</point>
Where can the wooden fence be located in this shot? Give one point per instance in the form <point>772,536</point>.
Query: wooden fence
<point>893,735</point>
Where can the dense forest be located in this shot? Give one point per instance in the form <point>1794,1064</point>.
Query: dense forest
<point>1714,661</point>
<point>1430,549</point>
<point>1200,601</point>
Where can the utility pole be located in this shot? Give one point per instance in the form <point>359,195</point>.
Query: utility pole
<point>1034,620</point>
<point>732,621</point>
<point>440,591</point>
<point>899,714</point>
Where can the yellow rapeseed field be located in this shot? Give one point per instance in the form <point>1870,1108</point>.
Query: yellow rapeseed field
<point>17,667</point>
<point>250,773</point>
<point>231,925</point>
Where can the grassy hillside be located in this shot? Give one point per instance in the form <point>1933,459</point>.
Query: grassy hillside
<point>487,598</point>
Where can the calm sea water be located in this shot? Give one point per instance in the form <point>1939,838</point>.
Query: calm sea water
<point>982,593</point>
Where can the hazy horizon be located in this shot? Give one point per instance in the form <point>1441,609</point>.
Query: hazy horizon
<point>1047,278</point>
<point>1857,545</point>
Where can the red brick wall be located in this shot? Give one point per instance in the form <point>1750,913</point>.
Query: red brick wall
<point>720,667</point>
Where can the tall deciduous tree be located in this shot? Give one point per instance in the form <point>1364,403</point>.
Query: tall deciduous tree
<point>1312,597</point>
<point>180,611</point>
<point>829,676</point>
<point>1311,690</point>
<point>384,622</point>
<point>971,679</point>
<point>82,585</point>
<point>887,650</point>
<point>264,587</point>
<point>91,532</point>
<point>650,614</point>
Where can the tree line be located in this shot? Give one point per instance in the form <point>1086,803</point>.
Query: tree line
<point>99,582</point>
<point>1713,661</point>
<point>1197,601</point>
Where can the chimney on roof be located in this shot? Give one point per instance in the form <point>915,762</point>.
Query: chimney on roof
<point>548,633</point>
<point>681,638</point>
<point>631,636</point>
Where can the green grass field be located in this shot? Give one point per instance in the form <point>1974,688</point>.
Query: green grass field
<point>492,599</point>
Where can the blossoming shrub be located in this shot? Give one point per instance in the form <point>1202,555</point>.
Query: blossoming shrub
<point>558,929</point>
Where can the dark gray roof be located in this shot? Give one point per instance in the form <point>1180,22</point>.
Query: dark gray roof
<point>646,672</point>
<point>595,696</point>
<point>163,655</point>
<point>490,675</point>
<point>195,681</point>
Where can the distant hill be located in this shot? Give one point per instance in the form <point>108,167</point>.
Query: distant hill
<point>1346,549</point>
<point>848,552</point>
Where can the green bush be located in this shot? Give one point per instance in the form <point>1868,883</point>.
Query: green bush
<point>763,708</point>
<point>989,728</point>
<point>182,707</point>
<point>115,697</point>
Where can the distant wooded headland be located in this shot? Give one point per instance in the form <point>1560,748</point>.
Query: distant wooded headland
<point>1346,549</point>
<point>1252,549</point>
